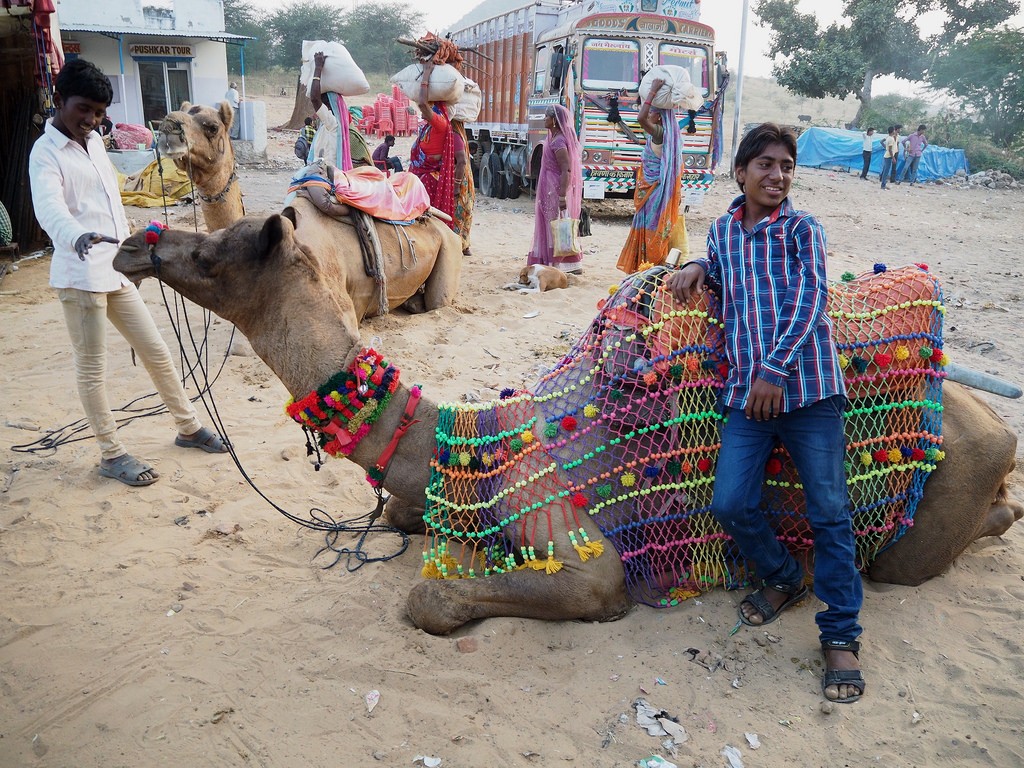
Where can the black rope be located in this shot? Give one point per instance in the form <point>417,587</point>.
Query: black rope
<point>318,519</point>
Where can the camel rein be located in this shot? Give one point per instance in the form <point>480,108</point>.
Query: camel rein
<point>355,555</point>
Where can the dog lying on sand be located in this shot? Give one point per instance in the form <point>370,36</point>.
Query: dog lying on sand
<point>537,278</point>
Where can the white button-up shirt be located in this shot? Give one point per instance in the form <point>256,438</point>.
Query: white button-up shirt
<point>75,192</point>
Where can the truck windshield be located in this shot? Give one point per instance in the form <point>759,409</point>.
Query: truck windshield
<point>691,58</point>
<point>611,64</point>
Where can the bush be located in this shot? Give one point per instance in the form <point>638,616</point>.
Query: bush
<point>982,155</point>
<point>891,109</point>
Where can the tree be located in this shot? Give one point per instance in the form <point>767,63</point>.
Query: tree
<point>984,75</point>
<point>370,31</point>
<point>241,19</point>
<point>878,37</point>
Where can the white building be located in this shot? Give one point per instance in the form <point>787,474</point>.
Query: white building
<point>157,53</point>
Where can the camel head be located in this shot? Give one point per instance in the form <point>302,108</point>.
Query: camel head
<point>256,275</point>
<point>198,137</point>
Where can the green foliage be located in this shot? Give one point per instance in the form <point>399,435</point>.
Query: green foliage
<point>369,31</point>
<point>984,74</point>
<point>241,19</point>
<point>891,109</point>
<point>288,26</point>
<point>876,37</point>
<point>983,155</point>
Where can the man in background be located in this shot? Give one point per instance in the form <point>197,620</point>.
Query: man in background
<point>234,99</point>
<point>382,158</point>
<point>913,148</point>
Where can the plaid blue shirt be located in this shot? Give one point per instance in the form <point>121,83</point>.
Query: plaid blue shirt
<point>774,292</point>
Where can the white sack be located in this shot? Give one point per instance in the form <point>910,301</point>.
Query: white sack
<point>446,84</point>
<point>467,108</point>
<point>340,74</point>
<point>677,92</point>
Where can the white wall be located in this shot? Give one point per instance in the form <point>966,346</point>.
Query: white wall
<point>190,15</point>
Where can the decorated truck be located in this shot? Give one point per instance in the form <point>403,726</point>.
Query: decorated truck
<point>589,56</point>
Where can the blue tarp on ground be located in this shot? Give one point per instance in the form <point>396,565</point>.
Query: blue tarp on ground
<point>818,147</point>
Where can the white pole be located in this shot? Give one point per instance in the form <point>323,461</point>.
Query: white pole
<point>739,90</point>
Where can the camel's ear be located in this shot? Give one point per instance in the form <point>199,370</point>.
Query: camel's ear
<point>276,232</point>
<point>185,106</point>
<point>227,114</point>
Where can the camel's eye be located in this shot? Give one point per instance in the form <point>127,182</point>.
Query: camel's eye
<point>209,129</point>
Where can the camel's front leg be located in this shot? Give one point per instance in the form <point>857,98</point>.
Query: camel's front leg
<point>443,283</point>
<point>405,515</point>
<point>594,591</point>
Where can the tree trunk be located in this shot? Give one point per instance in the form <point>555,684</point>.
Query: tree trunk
<point>302,109</point>
<point>865,98</point>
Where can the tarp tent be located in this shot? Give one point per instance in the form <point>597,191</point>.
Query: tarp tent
<point>818,147</point>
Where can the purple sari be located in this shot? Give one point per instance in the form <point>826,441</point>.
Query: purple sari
<point>547,211</point>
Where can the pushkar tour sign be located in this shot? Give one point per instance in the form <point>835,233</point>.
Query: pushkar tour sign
<point>142,50</point>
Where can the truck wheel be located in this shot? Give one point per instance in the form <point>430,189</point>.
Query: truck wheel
<point>496,167</point>
<point>487,176</point>
<point>512,188</point>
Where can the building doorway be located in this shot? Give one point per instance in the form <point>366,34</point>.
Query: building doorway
<point>165,85</point>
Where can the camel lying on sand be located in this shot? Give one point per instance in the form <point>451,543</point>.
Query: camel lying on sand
<point>266,278</point>
<point>197,139</point>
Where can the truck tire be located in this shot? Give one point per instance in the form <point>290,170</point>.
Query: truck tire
<point>492,178</point>
<point>512,188</point>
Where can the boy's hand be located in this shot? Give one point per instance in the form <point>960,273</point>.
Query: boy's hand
<point>687,283</point>
<point>88,240</point>
<point>764,401</point>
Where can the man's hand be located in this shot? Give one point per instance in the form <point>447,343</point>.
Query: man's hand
<point>764,401</point>
<point>687,283</point>
<point>88,240</point>
<point>318,60</point>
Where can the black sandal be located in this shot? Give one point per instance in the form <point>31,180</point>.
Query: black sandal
<point>768,612</point>
<point>839,677</point>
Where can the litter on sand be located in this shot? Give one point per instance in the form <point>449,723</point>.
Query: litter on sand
<point>371,700</point>
<point>429,762</point>
<point>655,761</point>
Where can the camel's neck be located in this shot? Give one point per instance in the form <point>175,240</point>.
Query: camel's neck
<point>224,208</point>
<point>409,468</point>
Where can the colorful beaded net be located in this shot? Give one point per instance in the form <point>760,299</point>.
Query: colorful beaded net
<point>625,430</point>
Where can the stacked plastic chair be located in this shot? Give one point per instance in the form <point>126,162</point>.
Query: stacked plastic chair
<point>367,124</point>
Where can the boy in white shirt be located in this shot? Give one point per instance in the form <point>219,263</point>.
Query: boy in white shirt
<point>868,148</point>
<point>78,204</point>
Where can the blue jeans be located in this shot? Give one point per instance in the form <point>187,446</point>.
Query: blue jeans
<point>910,172</point>
<point>886,167</point>
<point>815,440</point>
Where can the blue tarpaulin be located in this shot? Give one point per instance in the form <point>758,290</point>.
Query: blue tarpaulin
<point>818,147</point>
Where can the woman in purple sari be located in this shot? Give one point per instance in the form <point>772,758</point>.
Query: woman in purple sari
<point>559,189</point>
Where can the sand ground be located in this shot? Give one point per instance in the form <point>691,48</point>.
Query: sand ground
<point>189,623</point>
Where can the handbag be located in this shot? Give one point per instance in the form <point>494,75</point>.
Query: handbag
<point>565,237</point>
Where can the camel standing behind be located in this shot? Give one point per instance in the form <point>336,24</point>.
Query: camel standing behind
<point>197,139</point>
<point>263,277</point>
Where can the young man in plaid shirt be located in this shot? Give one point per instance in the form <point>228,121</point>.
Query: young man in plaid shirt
<point>766,262</point>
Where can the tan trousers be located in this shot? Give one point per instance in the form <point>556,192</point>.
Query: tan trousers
<point>86,315</point>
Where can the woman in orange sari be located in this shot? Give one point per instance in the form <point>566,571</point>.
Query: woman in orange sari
<point>657,224</point>
<point>433,155</point>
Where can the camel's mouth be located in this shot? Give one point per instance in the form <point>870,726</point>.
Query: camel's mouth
<point>171,146</point>
<point>132,262</point>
